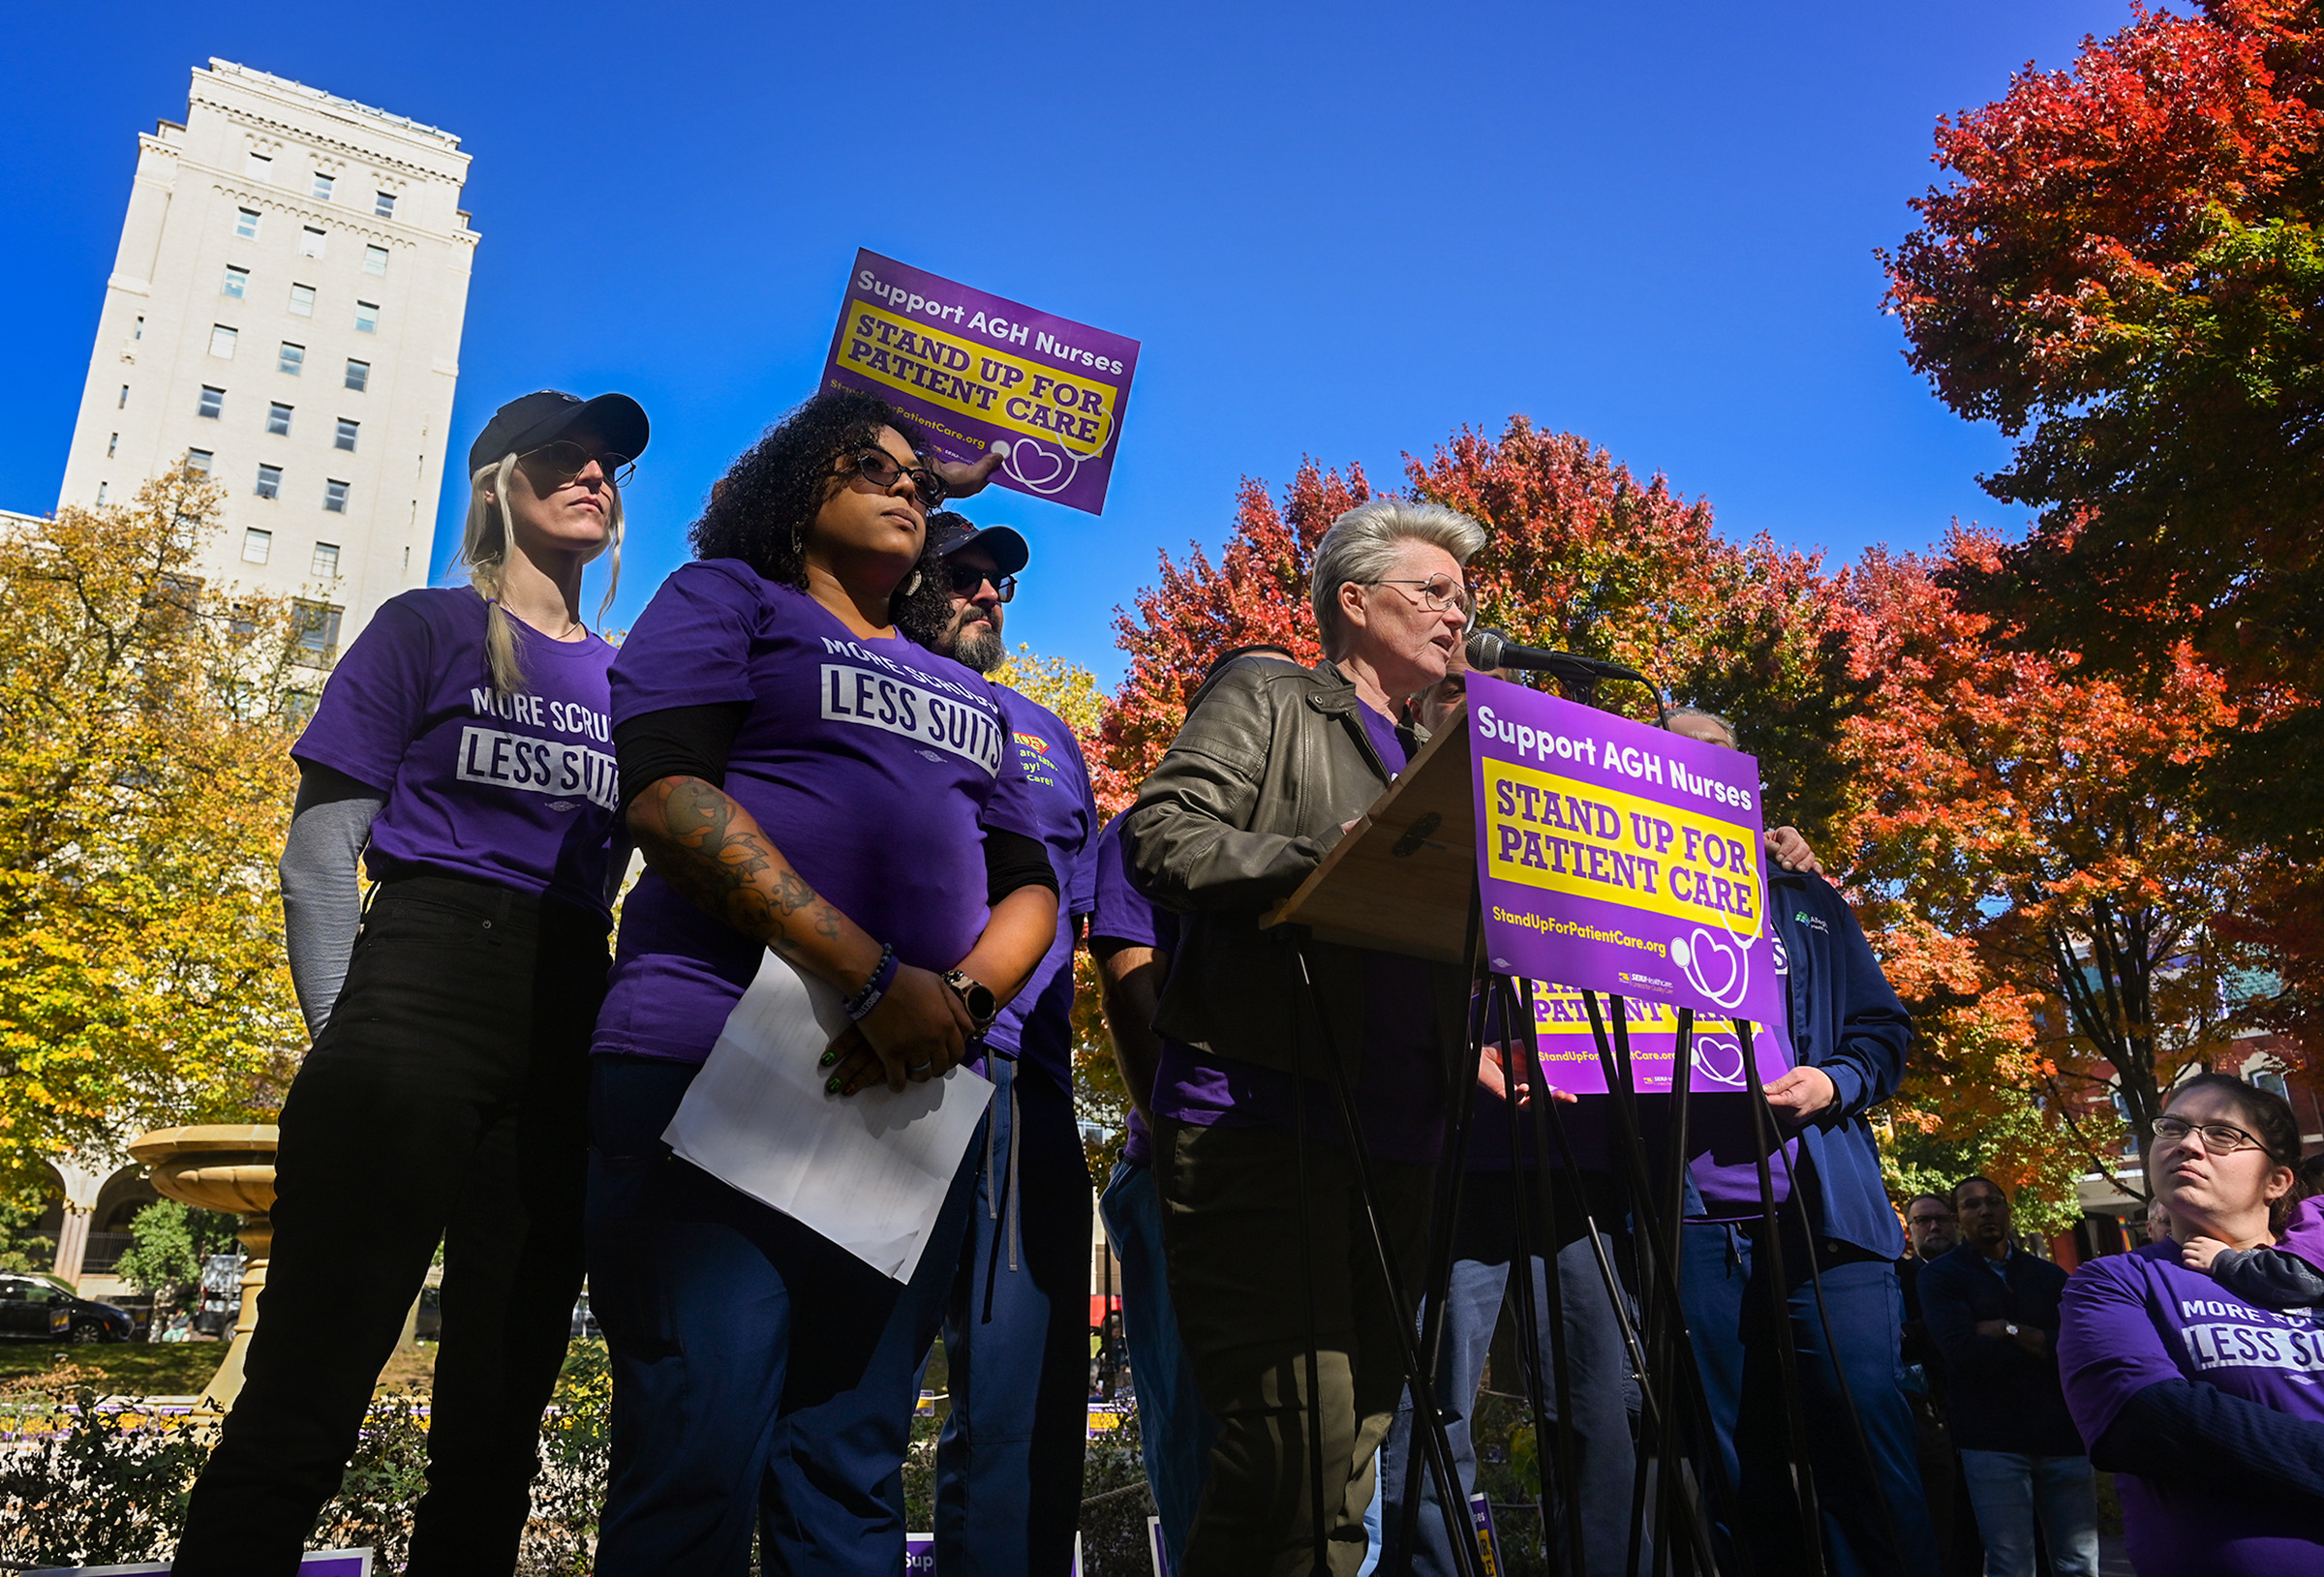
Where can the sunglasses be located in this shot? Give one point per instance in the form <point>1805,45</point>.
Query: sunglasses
<point>565,459</point>
<point>965,581</point>
<point>879,467</point>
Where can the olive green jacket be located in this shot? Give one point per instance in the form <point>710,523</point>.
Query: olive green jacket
<point>1253,793</point>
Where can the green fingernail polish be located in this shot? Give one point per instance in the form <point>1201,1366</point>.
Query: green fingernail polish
<point>830,1057</point>
<point>832,1088</point>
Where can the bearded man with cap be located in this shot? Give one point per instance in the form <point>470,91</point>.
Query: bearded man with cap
<point>1017,1329</point>
<point>461,752</point>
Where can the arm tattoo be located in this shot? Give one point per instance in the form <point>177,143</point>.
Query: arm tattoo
<point>688,832</point>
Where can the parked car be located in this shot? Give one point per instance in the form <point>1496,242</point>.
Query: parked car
<point>220,1300</point>
<point>428,1325</point>
<point>36,1310</point>
<point>584,1323</point>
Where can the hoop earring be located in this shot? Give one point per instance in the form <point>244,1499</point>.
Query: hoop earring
<point>913,585</point>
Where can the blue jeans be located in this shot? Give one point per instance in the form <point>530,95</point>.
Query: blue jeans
<point>755,1365</point>
<point>1175,1430</point>
<point>2010,1490</point>
<point>1598,1369</point>
<point>1017,1342</point>
<point>1724,1288</point>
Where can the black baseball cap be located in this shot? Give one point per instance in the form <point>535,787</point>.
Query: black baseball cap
<point>530,420</point>
<point>952,533</point>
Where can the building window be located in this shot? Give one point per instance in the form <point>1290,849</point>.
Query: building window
<point>255,544</point>
<point>2273,1082</point>
<point>322,186</point>
<point>101,494</point>
<point>302,300</point>
<point>315,628</point>
<point>334,497</point>
<point>246,224</point>
<point>291,358</point>
<point>327,560</point>
<point>139,332</point>
<point>212,403</point>
<point>270,485</point>
<point>124,402</point>
<point>309,242</point>
<point>375,260</point>
<point>258,168</point>
<point>237,285</point>
<point>347,435</point>
<point>111,445</point>
<point>358,375</point>
<point>382,205</point>
<point>367,317</point>
<point>222,342</point>
<point>278,419</point>
<point>298,706</point>
<point>199,460</point>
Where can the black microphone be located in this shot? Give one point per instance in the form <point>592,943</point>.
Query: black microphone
<point>1492,648</point>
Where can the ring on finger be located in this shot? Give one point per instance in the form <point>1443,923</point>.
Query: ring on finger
<point>918,1067</point>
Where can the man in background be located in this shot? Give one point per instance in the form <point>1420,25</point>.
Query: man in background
<point>1933,1230</point>
<point>1017,1332</point>
<point>1992,1311</point>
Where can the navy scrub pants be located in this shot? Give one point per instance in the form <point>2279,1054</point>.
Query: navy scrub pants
<point>755,1366</point>
<point>1017,1342</point>
<point>1175,1430</point>
<point>1875,1520</point>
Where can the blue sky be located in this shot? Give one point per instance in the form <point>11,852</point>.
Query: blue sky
<point>1339,230</point>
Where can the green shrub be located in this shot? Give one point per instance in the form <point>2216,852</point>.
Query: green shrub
<point>86,1489</point>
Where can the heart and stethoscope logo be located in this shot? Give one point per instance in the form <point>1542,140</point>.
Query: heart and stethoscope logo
<point>1712,967</point>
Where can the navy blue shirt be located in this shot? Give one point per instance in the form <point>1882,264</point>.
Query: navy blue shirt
<point>2002,1397</point>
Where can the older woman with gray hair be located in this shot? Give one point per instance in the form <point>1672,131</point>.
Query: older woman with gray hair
<point>1262,1219</point>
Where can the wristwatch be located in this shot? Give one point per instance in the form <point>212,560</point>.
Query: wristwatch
<point>976,996</point>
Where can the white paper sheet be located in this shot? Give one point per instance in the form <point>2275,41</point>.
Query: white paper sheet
<point>870,1172</point>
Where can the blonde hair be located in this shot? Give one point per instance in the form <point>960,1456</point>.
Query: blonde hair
<point>1364,543</point>
<point>484,549</point>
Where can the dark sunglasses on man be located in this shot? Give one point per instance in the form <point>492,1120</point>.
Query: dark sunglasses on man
<point>565,459</point>
<point>966,578</point>
<point>878,467</point>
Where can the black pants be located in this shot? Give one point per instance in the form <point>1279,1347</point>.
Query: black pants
<point>443,1100</point>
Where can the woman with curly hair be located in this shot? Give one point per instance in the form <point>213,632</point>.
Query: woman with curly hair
<point>802,774</point>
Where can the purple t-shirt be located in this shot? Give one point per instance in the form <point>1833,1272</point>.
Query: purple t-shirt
<point>1125,917</point>
<point>873,765</point>
<point>1037,1024</point>
<point>1399,1098</point>
<point>2303,1234</point>
<point>2132,1319</point>
<point>513,789</point>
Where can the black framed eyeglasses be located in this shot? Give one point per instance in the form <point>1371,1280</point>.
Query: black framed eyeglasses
<point>565,459</point>
<point>2218,1138</point>
<point>879,467</point>
<point>965,580</point>
<point>1438,594</point>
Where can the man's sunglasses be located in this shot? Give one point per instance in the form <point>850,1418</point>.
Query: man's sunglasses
<point>565,459</point>
<point>879,467</point>
<point>965,580</point>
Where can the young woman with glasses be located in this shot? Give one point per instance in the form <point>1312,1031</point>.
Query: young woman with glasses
<point>462,753</point>
<point>2204,1403</point>
<point>802,774</point>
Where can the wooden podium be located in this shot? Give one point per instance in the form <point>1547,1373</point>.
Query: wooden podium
<point>1405,876</point>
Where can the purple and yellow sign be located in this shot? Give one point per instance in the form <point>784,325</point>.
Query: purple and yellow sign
<point>978,374</point>
<point>1618,857</point>
<point>1569,1047</point>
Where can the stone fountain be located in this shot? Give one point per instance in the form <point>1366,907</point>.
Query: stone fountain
<point>227,1168</point>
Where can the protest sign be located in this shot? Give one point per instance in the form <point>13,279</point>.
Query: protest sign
<point>1617,857</point>
<point>977,373</point>
<point>1569,1047</point>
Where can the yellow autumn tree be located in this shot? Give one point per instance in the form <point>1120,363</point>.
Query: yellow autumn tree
<point>145,782</point>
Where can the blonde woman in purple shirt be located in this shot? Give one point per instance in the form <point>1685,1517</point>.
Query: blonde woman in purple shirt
<point>2207,1406</point>
<point>462,753</point>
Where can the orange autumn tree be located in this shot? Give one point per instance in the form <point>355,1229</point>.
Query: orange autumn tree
<point>2026,842</point>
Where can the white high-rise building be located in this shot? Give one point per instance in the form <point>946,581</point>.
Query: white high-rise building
<point>285,308</point>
